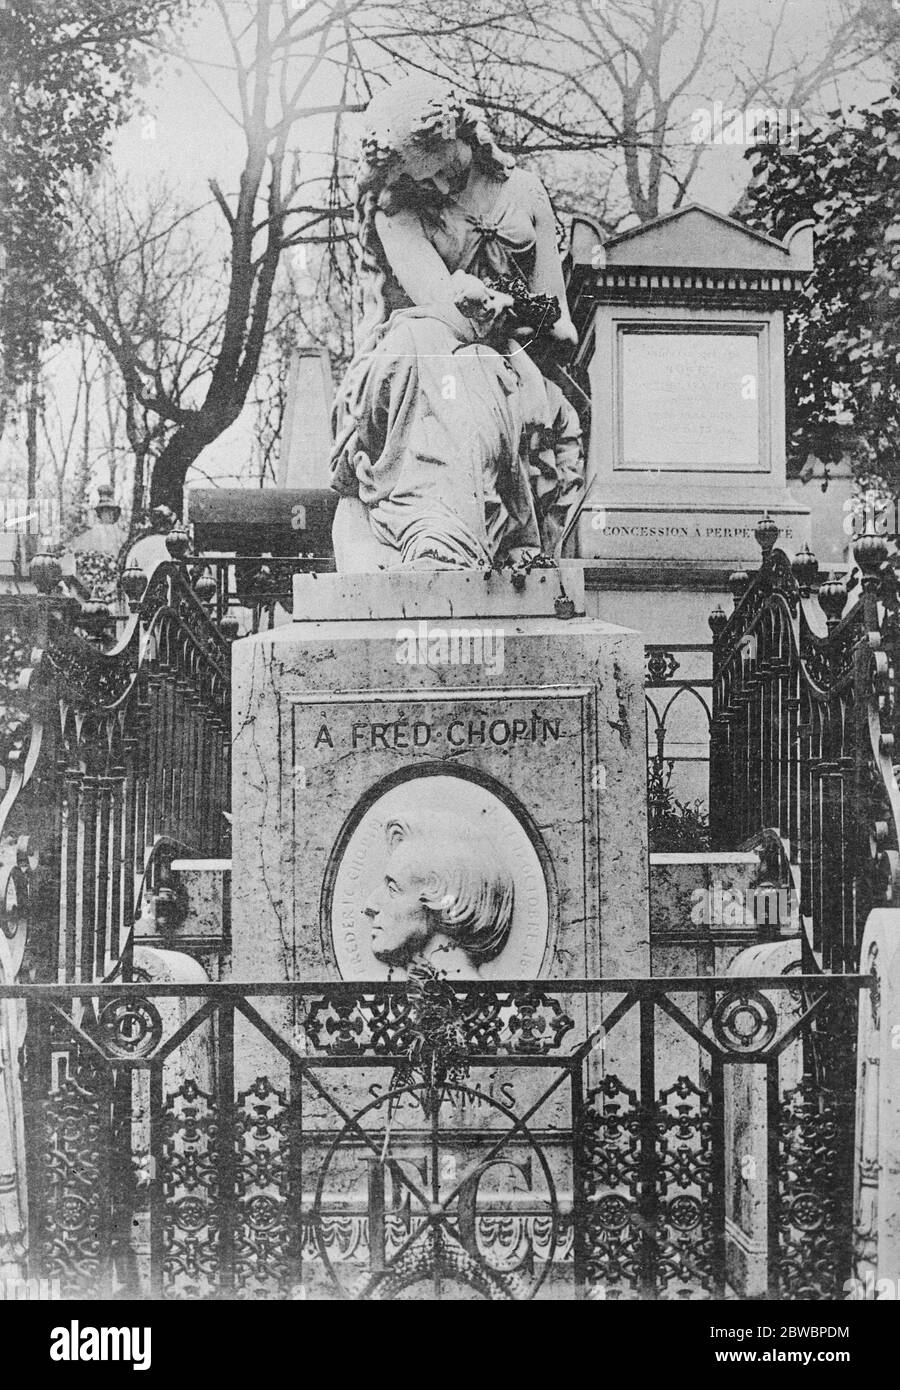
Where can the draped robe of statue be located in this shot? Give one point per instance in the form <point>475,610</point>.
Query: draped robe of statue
<point>429,424</point>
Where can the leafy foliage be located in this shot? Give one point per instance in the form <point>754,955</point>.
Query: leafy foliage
<point>437,1050</point>
<point>675,827</point>
<point>99,574</point>
<point>15,657</point>
<point>843,340</point>
<point>68,70</point>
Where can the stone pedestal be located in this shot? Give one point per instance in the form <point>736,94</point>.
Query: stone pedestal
<point>451,693</point>
<point>420,693</point>
<point>496,736</point>
<point>746,1129</point>
<point>876,1167</point>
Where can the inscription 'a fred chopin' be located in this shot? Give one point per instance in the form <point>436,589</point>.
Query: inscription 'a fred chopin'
<point>475,731</point>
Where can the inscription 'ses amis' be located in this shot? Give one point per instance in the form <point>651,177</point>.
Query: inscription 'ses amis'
<point>471,732</point>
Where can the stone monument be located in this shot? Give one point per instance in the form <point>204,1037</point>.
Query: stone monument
<point>440,763</point>
<point>681,326</point>
<point>445,688</point>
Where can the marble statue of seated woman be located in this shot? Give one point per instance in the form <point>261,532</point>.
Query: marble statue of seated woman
<point>451,448</point>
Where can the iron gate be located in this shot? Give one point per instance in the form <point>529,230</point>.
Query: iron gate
<point>502,1140</point>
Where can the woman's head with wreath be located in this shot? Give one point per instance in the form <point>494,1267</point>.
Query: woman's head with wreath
<point>413,130</point>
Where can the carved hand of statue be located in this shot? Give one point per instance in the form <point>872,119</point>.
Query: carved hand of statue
<point>478,302</point>
<point>563,340</point>
<point>556,345</point>
<point>564,331</point>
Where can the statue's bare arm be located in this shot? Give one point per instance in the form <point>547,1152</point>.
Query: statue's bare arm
<point>547,277</point>
<point>426,279</point>
<point>414,261</point>
<point>417,266</point>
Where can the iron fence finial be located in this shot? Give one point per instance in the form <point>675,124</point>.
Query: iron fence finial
<point>832,599</point>
<point>766,532</point>
<point>805,569</point>
<point>870,553</point>
<point>717,620</point>
<point>737,583</point>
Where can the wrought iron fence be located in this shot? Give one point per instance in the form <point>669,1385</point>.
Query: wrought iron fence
<point>501,1140</point>
<point>122,761</point>
<point>259,585</point>
<point>803,733</point>
<point>678,700</point>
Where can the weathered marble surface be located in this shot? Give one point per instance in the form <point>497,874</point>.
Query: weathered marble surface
<point>746,1126</point>
<point>324,714</point>
<point>327,720</point>
<point>450,446</point>
<point>406,593</point>
<point>876,1164</point>
<point>548,743</point>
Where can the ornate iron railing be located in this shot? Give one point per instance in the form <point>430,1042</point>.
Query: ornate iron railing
<point>803,729</point>
<point>125,752</point>
<point>678,702</point>
<point>260,586</point>
<point>503,1139</point>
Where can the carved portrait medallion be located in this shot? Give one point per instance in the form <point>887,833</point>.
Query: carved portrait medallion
<point>437,869</point>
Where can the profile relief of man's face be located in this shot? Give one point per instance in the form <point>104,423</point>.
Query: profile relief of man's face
<point>444,884</point>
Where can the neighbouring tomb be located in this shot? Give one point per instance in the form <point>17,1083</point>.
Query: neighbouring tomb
<point>681,348</point>
<point>681,329</point>
<point>306,432</point>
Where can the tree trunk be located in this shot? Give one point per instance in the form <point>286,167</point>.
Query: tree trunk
<point>32,412</point>
<point>80,502</point>
<point>184,447</point>
<point>137,485</point>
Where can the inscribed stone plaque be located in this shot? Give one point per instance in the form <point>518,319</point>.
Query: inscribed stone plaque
<point>484,757</point>
<point>672,532</point>
<point>689,400</point>
<point>550,748</point>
